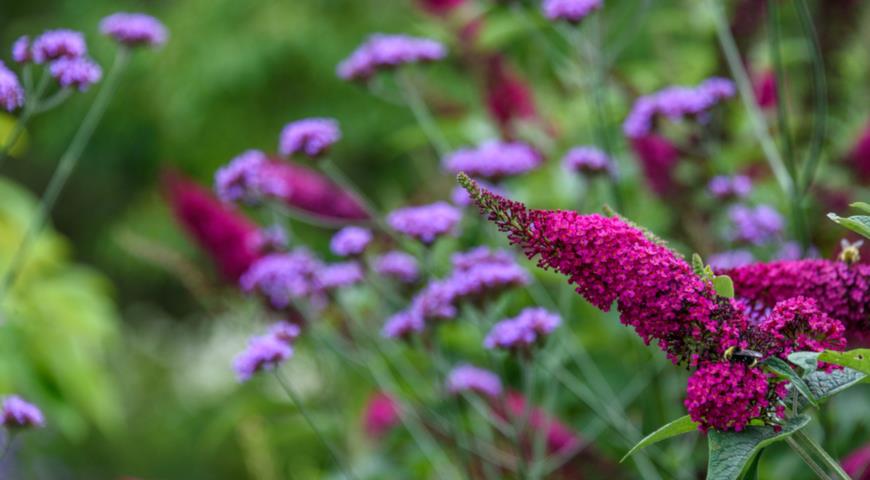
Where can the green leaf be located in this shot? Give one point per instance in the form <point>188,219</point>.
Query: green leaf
<point>698,265</point>
<point>808,361</point>
<point>677,427</point>
<point>752,471</point>
<point>863,206</point>
<point>724,286</point>
<point>858,359</point>
<point>825,385</point>
<point>732,452</point>
<point>784,370</point>
<point>859,224</point>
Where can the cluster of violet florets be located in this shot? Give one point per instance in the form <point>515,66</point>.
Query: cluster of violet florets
<point>267,351</point>
<point>382,52</point>
<point>494,160</point>
<point>674,103</point>
<point>468,378</point>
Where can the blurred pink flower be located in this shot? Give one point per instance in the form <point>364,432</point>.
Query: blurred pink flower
<point>440,7</point>
<point>658,158</point>
<point>227,235</point>
<point>508,96</point>
<point>857,463</point>
<point>381,415</point>
<point>860,155</point>
<point>314,194</point>
<point>766,93</point>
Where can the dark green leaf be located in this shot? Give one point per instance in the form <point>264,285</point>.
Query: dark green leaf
<point>752,472</point>
<point>677,427</point>
<point>724,286</point>
<point>825,385</point>
<point>698,265</point>
<point>863,206</point>
<point>784,370</point>
<point>859,224</point>
<point>808,361</point>
<point>858,359</point>
<point>731,452</point>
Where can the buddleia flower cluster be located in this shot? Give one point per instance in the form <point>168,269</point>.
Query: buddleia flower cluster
<point>610,261</point>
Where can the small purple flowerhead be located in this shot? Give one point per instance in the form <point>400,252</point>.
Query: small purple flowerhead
<point>494,160</point>
<point>399,265</point>
<point>426,222</point>
<point>339,275</point>
<point>134,29</point>
<point>350,241</point>
<point>757,225</point>
<point>522,331</point>
<point>263,353</point>
<point>482,272</point>
<point>402,325</point>
<point>57,44</point>
<point>245,179</point>
<point>11,93</point>
<point>725,187</point>
<point>436,301</point>
<point>571,11</point>
<point>21,50</point>
<point>588,161</point>
<point>285,331</point>
<point>78,73</point>
<point>282,277</point>
<point>271,239</point>
<point>382,52</point>
<point>730,259</point>
<point>311,136</point>
<point>18,413</point>
<point>468,378</point>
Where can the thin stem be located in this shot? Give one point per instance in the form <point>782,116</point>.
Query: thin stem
<point>747,95</point>
<point>820,93</point>
<point>65,167</point>
<point>807,458</point>
<point>821,453</point>
<point>521,428</point>
<point>10,436</point>
<point>31,107</point>
<point>422,114</point>
<point>299,407</point>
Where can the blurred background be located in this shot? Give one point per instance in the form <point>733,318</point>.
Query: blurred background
<point>129,329</point>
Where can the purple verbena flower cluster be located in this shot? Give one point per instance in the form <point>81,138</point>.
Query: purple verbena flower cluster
<point>399,265</point>
<point>729,187</point>
<point>246,179</point>
<point>425,223</point>
<point>468,378</point>
<point>11,93</point>
<point>283,277</point>
<point>588,161</point>
<point>134,29</point>
<point>17,413</point>
<point>522,331</point>
<point>756,226</point>
<point>403,324</point>
<point>21,52</point>
<point>350,241</point>
<point>262,353</point>
<point>570,10</point>
<point>675,103</point>
<point>78,73</point>
<point>382,52</point>
<point>56,44</point>
<point>494,160</point>
<point>338,275</point>
<point>311,136</point>
<point>730,259</point>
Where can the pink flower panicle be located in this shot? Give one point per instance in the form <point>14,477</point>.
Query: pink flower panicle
<point>381,415</point>
<point>468,378</point>
<point>658,158</point>
<point>383,52</point>
<point>727,395</point>
<point>611,261</point>
<point>840,290</point>
<point>134,29</point>
<point>307,190</point>
<point>797,324</point>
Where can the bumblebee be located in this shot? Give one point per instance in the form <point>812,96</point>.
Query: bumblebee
<point>743,355</point>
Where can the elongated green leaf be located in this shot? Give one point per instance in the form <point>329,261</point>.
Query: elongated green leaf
<point>677,427</point>
<point>825,385</point>
<point>858,359</point>
<point>863,206</point>
<point>784,370</point>
<point>808,361</point>
<point>724,286</point>
<point>859,224</point>
<point>731,452</point>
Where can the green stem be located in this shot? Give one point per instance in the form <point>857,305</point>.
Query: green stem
<point>422,114</point>
<point>820,94</point>
<point>807,458</point>
<point>31,108</point>
<point>747,95</point>
<point>821,453</point>
<point>299,406</point>
<point>65,167</point>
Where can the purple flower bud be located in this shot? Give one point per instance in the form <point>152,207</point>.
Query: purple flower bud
<point>21,50</point>
<point>262,353</point>
<point>78,73</point>
<point>380,52</point>
<point>56,44</point>
<point>426,222</point>
<point>11,93</point>
<point>134,29</point>
<point>587,160</point>
<point>311,136</point>
<point>245,179</point>
<point>494,160</point>
<point>20,414</point>
<point>469,378</point>
<point>350,241</point>
<point>399,265</point>
<point>570,10</point>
